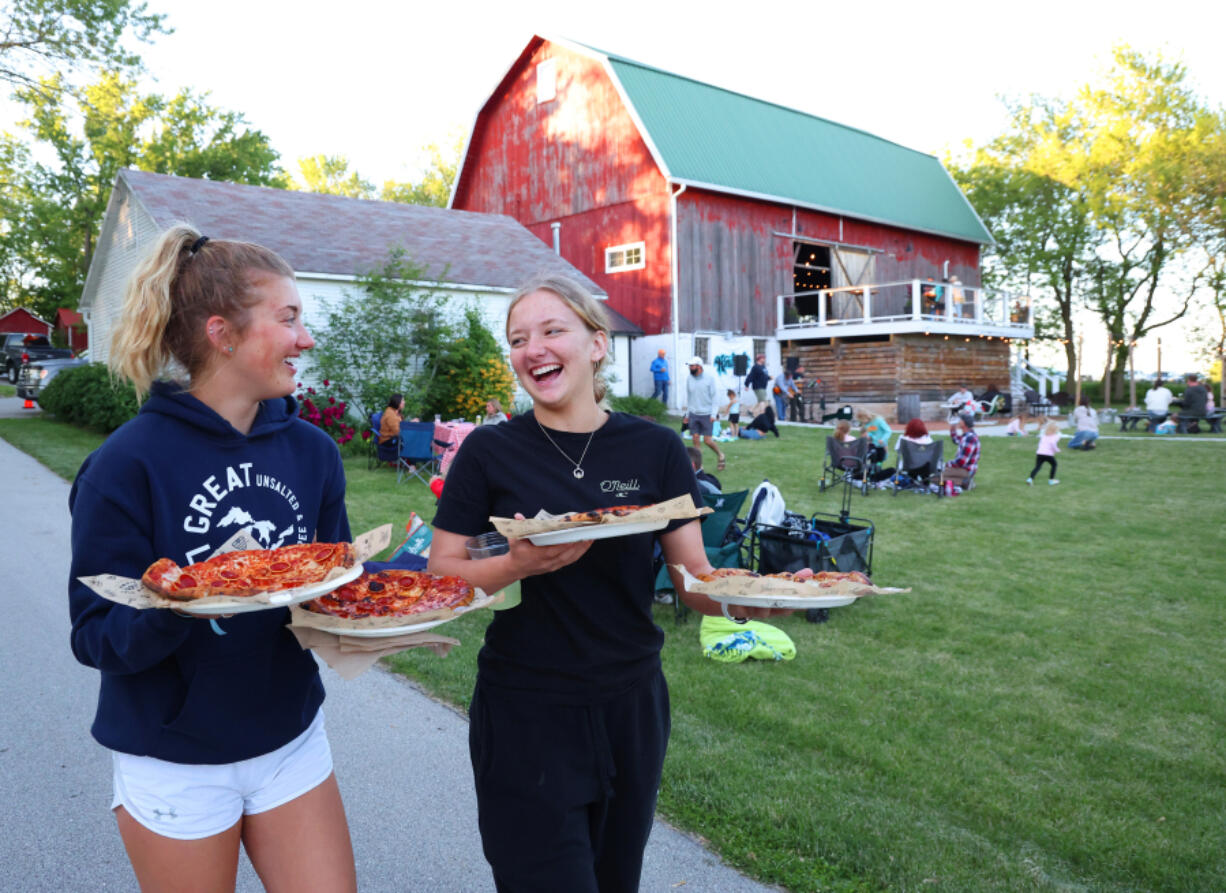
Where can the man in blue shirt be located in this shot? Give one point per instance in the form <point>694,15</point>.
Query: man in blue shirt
<point>659,374</point>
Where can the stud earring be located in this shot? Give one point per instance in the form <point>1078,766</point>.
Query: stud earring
<point>230,348</point>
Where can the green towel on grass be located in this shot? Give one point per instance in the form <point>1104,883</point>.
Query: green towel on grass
<point>730,642</point>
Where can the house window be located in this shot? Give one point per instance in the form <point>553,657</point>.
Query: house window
<point>624,257</point>
<point>702,348</point>
<point>759,347</point>
<point>546,80</point>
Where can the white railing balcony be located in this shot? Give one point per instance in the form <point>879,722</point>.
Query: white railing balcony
<point>910,305</point>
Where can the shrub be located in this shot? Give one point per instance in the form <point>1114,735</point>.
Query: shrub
<point>640,406</point>
<point>90,396</point>
<point>471,372</point>
<point>324,411</point>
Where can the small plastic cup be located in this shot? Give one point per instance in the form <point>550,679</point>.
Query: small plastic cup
<point>487,545</point>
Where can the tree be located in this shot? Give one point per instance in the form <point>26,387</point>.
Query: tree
<point>385,336</point>
<point>434,188</point>
<point>41,37</point>
<point>1135,151</point>
<point>1093,200</point>
<point>86,137</point>
<point>330,175</point>
<point>1045,238</point>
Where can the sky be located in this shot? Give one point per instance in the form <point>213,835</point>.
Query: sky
<point>376,81</point>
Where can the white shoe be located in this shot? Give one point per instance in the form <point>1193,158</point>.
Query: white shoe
<point>1030,481</point>
<point>1052,482</point>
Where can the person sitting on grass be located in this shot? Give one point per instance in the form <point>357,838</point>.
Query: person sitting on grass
<point>763,422</point>
<point>964,465</point>
<point>1086,421</point>
<point>1016,427</point>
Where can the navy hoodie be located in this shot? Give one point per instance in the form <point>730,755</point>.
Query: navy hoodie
<point>177,482</point>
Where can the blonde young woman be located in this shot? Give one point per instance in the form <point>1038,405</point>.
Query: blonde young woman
<point>569,717</point>
<point>214,724</point>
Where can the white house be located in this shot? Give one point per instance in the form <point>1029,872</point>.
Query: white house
<point>330,241</point>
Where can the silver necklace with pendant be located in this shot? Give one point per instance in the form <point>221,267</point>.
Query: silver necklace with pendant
<point>578,472</point>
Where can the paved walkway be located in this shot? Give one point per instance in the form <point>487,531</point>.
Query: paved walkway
<point>401,758</point>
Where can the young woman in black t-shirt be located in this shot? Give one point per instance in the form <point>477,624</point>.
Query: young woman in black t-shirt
<point>569,718</point>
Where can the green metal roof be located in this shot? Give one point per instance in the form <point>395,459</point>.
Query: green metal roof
<point>709,136</point>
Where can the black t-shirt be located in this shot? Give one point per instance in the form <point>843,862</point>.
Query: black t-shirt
<point>584,632</point>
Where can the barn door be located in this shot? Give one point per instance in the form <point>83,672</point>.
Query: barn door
<point>850,267</point>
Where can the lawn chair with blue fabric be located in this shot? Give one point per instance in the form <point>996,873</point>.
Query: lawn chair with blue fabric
<point>380,453</point>
<point>419,453</point>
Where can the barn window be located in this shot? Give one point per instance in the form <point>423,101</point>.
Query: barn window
<point>546,80</point>
<point>624,257</point>
<point>759,347</point>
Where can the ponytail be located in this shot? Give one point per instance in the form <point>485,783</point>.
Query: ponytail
<point>183,280</point>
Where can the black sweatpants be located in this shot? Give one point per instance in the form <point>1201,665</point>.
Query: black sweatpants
<point>1038,463</point>
<point>566,794</point>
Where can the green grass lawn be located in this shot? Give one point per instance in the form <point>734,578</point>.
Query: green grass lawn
<point>8,390</point>
<point>1044,711</point>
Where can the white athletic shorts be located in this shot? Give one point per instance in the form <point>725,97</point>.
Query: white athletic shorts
<point>188,802</point>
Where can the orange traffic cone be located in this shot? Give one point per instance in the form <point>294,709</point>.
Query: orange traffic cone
<point>29,404</point>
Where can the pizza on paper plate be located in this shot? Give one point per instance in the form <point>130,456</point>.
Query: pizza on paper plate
<point>595,516</point>
<point>248,572</point>
<point>393,593</point>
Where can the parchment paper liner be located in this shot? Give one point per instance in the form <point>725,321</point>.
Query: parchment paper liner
<point>746,585</point>
<point>134,594</point>
<point>352,656</point>
<point>681,507</point>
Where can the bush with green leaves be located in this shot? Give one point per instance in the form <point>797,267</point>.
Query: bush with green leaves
<point>90,396</point>
<point>386,336</point>
<point>471,372</point>
<point>640,406</point>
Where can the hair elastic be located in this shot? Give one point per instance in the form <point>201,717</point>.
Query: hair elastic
<point>197,245</point>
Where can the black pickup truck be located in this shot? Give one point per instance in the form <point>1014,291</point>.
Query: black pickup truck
<point>22,347</point>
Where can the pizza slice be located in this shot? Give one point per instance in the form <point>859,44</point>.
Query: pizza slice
<point>393,593</point>
<point>248,572</point>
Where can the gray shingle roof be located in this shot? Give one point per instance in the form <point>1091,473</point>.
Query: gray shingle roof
<point>349,237</point>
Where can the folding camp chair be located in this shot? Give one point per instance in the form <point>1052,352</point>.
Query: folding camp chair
<point>918,465</point>
<point>721,539</point>
<point>847,463</point>
<point>380,453</point>
<point>419,452</point>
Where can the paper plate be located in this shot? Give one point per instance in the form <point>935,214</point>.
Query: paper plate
<point>785,601</point>
<point>244,605</point>
<point>387,631</point>
<point>595,532</point>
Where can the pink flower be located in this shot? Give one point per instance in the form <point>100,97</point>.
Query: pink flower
<point>366,434</point>
<point>326,382</point>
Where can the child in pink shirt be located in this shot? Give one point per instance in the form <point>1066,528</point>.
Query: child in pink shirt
<point>1048,447</point>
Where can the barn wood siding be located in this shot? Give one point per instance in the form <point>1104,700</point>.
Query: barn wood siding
<point>878,371</point>
<point>578,160</point>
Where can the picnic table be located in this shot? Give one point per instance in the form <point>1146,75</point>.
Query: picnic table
<point>1213,418</point>
<point>1130,417</point>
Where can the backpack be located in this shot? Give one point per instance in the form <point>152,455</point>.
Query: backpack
<point>766,506</point>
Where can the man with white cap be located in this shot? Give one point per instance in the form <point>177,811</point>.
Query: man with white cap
<point>700,406</point>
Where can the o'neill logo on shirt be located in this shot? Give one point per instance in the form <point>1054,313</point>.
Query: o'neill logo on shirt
<point>619,488</point>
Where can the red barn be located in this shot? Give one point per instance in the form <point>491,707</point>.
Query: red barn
<point>20,319</point>
<point>726,226</point>
<point>72,325</point>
